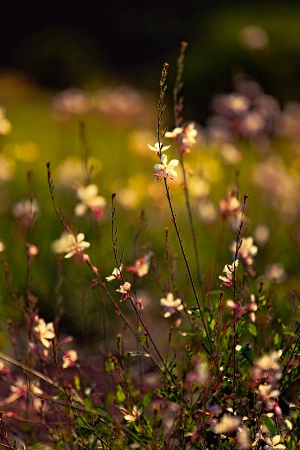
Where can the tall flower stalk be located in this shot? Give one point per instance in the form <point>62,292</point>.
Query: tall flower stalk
<point>160,135</point>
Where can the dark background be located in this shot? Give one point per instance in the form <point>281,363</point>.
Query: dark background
<point>74,43</point>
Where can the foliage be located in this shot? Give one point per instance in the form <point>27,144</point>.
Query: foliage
<point>218,367</point>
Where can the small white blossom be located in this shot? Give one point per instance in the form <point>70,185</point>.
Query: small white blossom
<point>273,443</point>
<point>116,273</point>
<point>124,288</point>
<point>21,388</point>
<point>61,245</point>
<point>170,305</point>
<point>268,394</point>
<point>267,368</point>
<point>158,147</point>
<point>45,332</point>
<point>78,245</point>
<point>228,272</point>
<point>135,416</point>
<point>69,358</point>
<point>89,200</point>
<point>227,424</point>
<point>185,137</point>
<point>246,251</point>
<point>141,265</point>
<point>165,170</point>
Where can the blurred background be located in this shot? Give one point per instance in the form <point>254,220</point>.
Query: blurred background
<point>79,82</point>
<point>59,44</point>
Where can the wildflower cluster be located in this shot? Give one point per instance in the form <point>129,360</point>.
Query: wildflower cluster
<point>183,362</point>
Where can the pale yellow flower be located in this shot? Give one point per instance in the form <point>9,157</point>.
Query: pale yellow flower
<point>45,332</point>
<point>227,424</point>
<point>78,245</point>
<point>170,305</point>
<point>69,358</point>
<point>89,200</point>
<point>134,416</point>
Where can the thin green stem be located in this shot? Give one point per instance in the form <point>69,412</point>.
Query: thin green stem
<point>187,264</point>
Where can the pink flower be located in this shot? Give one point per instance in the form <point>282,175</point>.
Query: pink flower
<point>125,290</point>
<point>246,251</point>
<point>230,206</point>
<point>69,358</point>
<point>185,137</point>
<point>141,265</point>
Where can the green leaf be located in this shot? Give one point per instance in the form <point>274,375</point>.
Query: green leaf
<point>147,398</point>
<point>277,340</point>
<point>120,394</point>
<point>109,365</point>
<point>270,425</point>
<point>252,329</point>
<point>77,382</point>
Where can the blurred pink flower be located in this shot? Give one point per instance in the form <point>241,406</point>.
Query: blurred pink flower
<point>141,265</point>
<point>185,137</point>
<point>69,358</point>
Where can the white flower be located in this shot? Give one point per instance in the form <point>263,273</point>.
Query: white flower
<point>21,388</point>
<point>228,272</point>
<point>185,136</point>
<point>158,147</point>
<point>115,273</point>
<point>165,170</point>
<point>267,368</point>
<point>273,443</point>
<point>61,245</point>
<point>175,133</point>
<point>246,251</point>
<point>268,394</point>
<point>135,416</point>
<point>227,424</point>
<point>170,305</point>
<point>124,288</point>
<point>45,332</point>
<point>69,358</point>
<point>78,245</point>
<point>89,200</point>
